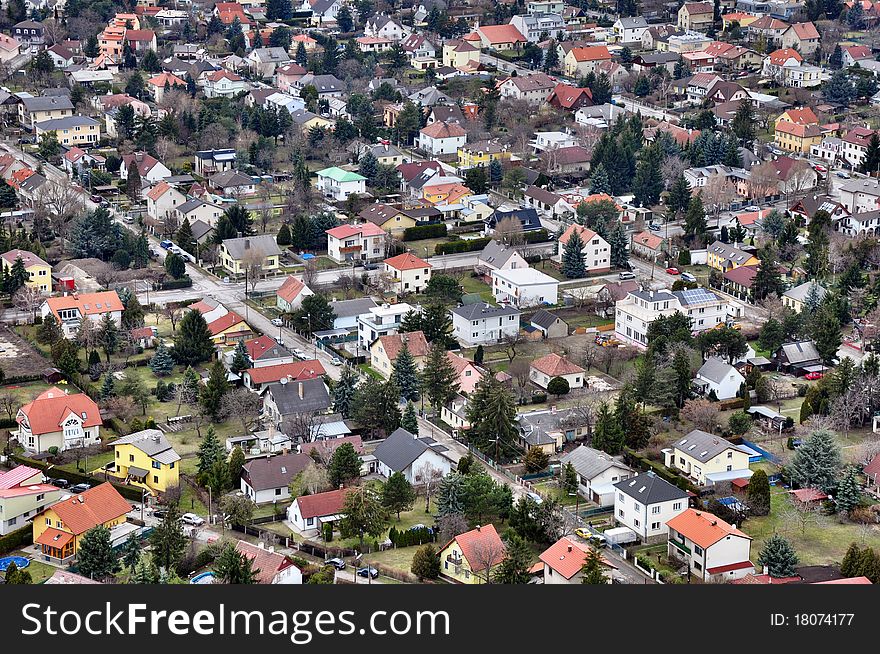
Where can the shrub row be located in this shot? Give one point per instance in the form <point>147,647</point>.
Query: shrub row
<point>424,231</point>
<point>537,236</point>
<point>410,537</point>
<point>17,539</point>
<point>171,284</point>
<point>455,247</point>
<point>633,458</point>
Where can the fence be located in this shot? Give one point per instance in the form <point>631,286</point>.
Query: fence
<point>767,455</point>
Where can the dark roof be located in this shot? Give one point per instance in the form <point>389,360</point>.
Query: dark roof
<point>480,310</point>
<point>401,448</point>
<point>648,488</point>
<point>703,446</point>
<point>545,319</point>
<point>275,471</point>
<point>528,218</point>
<point>315,396</point>
<point>349,308</point>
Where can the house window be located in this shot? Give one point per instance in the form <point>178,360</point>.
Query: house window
<point>636,522</point>
<point>155,479</point>
<point>655,526</point>
<point>698,550</point>
<point>655,509</point>
<point>310,522</point>
<point>130,458</point>
<point>278,491</point>
<point>676,506</point>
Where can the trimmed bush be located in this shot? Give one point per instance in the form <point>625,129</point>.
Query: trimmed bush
<point>424,231</point>
<point>455,247</point>
<point>17,539</point>
<point>171,284</point>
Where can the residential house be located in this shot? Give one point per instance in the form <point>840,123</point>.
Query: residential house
<point>39,109</point>
<point>696,16</point>
<point>471,557</point>
<point>442,138</point>
<point>411,274</point>
<point>163,201</point>
<point>338,184</point>
<point>347,311</point>
<point>290,295</point>
<point>639,309</point>
<point>645,503</point>
<point>481,323</point>
<point>229,328</point>
<point>39,272</point>
<point>707,459</point>
<point>385,350</point>
<point>469,374</point>
<point>208,162</point>
<point>149,168</point>
<point>390,219</point>
<point>853,54</point>
<point>738,282</point>
<point>284,367</point>
<point>769,29</point>
<point>497,256</point>
<point>29,33</point>
<point>73,130</point>
<point>284,401</point>
<point>596,251</point>
<point>482,153</point>
<point>380,321</point>
<point>70,310</point>
<point>630,29</point>
<point>544,369</point>
<point>724,257</point>
<point>569,98</point>
<point>364,242</point>
<point>158,84</point>
<point>524,287</point>
<point>794,137</point>
<point>597,472</point>
<point>527,218</point>
<point>718,379</point>
<point>647,245</point>
<point>460,54</point>
<point>232,183</point>
<point>855,145</point>
<point>799,297</point>
<point>308,513</point>
<point>147,460</point>
<point>23,494</point>
<point>804,37</point>
<point>238,255</point>
<point>417,458</point>
<point>534,26</point>
<point>579,62</point>
<point>382,26</point>
<point>198,211</point>
<point>223,84</point>
<point>264,61</point>
<point>532,88</point>
<point>860,195</point>
<point>798,358</point>
<point>713,550</point>
<point>58,530</point>
<point>563,562</point>
<point>549,325</point>
<point>500,37</point>
<point>267,479</point>
<point>288,75</point>
<point>271,567</point>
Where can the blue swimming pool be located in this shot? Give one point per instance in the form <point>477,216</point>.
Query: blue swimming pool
<point>19,561</point>
<point>203,578</point>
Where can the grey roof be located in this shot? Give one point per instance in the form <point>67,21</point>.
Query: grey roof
<point>715,370</point>
<point>217,155</point>
<point>275,471</point>
<point>67,122</point>
<point>271,55</point>
<point>429,96</point>
<point>323,83</point>
<point>730,252</point>
<point>800,293</point>
<point>321,6</point>
<point>589,463</point>
<point>693,296</point>
<point>545,319</point>
<point>151,442</point>
<point>47,103</point>
<point>648,488</point>
<point>536,425</point>
<point>351,308</point>
<point>230,178</point>
<point>653,296</point>
<point>189,205</point>
<point>315,396</point>
<point>633,21</point>
<point>200,228</point>
<point>703,446</point>
<point>401,448</point>
<point>265,243</point>
<point>496,254</point>
<point>482,310</point>
<point>800,351</point>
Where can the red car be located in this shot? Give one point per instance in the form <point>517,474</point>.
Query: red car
<point>673,271</point>
<point>813,376</point>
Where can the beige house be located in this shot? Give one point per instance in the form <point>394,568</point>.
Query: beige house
<point>42,108</point>
<point>58,420</point>
<point>696,16</point>
<point>73,130</point>
<point>385,350</point>
<point>579,62</point>
<point>411,274</point>
<point>460,54</point>
<point>705,458</point>
<point>251,254</point>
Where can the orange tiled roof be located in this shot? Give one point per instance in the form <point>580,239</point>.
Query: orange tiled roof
<point>291,287</point>
<point>567,556</point>
<point>407,261</point>
<point>46,413</point>
<point>223,323</point>
<point>415,343</point>
<point>479,544</point>
<point>703,528</point>
<point>296,371</point>
<point>89,304</point>
<point>554,365</point>
<point>94,507</point>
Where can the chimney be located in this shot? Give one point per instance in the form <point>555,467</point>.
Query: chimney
<point>766,570</point>
<point>271,549</point>
<point>478,527</point>
<point>261,545</point>
<point>553,409</point>
<point>300,389</point>
<point>569,548</point>
<point>247,244</point>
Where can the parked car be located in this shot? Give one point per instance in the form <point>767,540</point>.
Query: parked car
<point>686,276</point>
<point>598,540</point>
<point>166,244</point>
<point>586,534</point>
<point>80,488</point>
<point>192,519</point>
<point>336,361</point>
<point>160,513</point>
<point>842,174</point>
<point>368,571</point>
<point>337,563</point>
<point>654,227</point>
<point>813,376</point>
<point>300,354</point>
<point>96,199</point>
<point>60,483</point>
<point>371,266</point>
<point>277,322</point>
<point>673,271</point>
<point>626,275</point>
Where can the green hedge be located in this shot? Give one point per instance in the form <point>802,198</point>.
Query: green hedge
<point>128,492</point>
<point>171,284</point>
<point>424,231</point>
<point>454,247</point>
<point>634,458</point>
<point>537,236</point>
<point>17,539</point>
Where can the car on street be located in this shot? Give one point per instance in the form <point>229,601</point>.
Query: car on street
<point>537,499</point>
<point>336,361</point>
<point>673,271</point>
<point>371,266</point>
<point>686,276</point>
<point>813,376</point>
<point>368,571</point>
<point>60,483</point>
<point>159,514</point>
<point>96,199</point>
<point>654,227</point>
<point>166,244</point>
<point>277,322</point>
<point>192,519</point>
<point>337,563</point>
<point>598,540</point>
<point>842,174</point>
<point>300,354</point>
<point>583,533</point>
<point>820,169</point>
<point>626,275</point>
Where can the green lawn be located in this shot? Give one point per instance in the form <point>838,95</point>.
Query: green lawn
<point>471,284</point>
<point>552,489</point>
<point>40,571</point>
<point>824,541</point>
<point>24,393</point>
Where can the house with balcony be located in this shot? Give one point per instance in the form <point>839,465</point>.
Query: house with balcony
<point>411,274</point>
<point>70,310</point>
<point>364,242</point>
<point>380,321</point>
<point>338,184</point>
<point>38,109</point>
<point>147,460</point>
<point>645,503</point>
<point>597,472</point>
<point>471,557</point>
<point>71,131</point>
<point>56,419</point>
<point>524,287</point>
<point>481,323</point>
<point>208,162</point>
<point>707,459</point>
<point>23,494</point>
<point>237,255</point>
<point>714,551</point>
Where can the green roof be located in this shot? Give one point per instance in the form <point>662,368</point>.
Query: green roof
<point>339,175</point>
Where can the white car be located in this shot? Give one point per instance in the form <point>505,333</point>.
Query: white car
<point>336,361</point>
<point>277,322</point>
<point>300,354</point>
<point>192,519</point>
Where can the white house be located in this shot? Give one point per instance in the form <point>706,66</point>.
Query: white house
<point>365,242</point>
<point>224,84</point>
<point>596,251</point>
<point>70,310</point>
<point>442,138</point>
<point>379,321</point>
<point>417,458</point>
<point>597,473</point>
<point>150,169</point>
<point>56,419</point>
<point>564,560</point>
<point>481,323</point>
<point>532,88</point>
<point>714,550</point>
<point>338,184</point>
<point>645,503</point>
<point>630,29</point>
<point>524,287</point>
<point>634,313</point>
<point>267,479</point>
<point>411,274</point>
<point>308,513</point>
<point>290,295</point>
<point>383,27</point>
<point>163,200</point>
<point>533,26</point>
<point>497,256</point>
<point>271,567</point>
<point>548,367</point>
<point>718,376</point>
<point>23,494</point>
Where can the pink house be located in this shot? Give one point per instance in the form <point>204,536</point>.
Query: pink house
<point>468,372</point>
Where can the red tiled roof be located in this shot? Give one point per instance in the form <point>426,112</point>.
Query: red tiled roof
<point>89,304</point>
<point>757,580</point>
<point>441,130</point>
<point>805,31</point>
<point>347,231</point>
<point>16,476</point>
<point>742,275</point>
<point>53,537</point>
<point>51,408</point>
<point>803,116</point>
<point>648,240</point>
<point>321,504</point>
<point>297,370</point>
<point>478,544</point>
<point>91,508</point>
<point>742,565</point>
<point>158,191</point>
<point>779,57</point>
<point>291,287</point>
<point>585,234</point>
<point>407,261</point>
<point>849,581</point>
<point>808,494</point>
<point>415,343</point>
<point>567,556</point>
<point>139,35</point>
<point>166,78</point>
<point>225,322</point>
<point>554,365</point>
<point>591,53</point>
<point>858,51</point>
<point>703,528</point>
<point>501,34</point>
<point>268,563</point>
<point>568,96</point>
<point>257,347</point>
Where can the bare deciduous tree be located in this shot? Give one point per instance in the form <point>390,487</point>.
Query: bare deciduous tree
<point>519,369</point>
<point>486,554</point>
<point>9,403</point>
<point>173,313</point>
<point>509,231</point>
<point>429,476</point>
<point>702,413</point>
<point>28,298</point>
<point>240,403</point>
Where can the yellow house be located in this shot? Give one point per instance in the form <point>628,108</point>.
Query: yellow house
<point>392,220</point>
<point>447,193</point>
<point>724,257</point>
<point>706,458</point>
<point>229,328</point>
<point>59,529</point>
<point>482,153</point>
<point>385,350</point>
<point>72,130</point>
<point>460,53</point>
<point>39,272</point>
<point>471,557</point>
<point>146,459</point>
<point>794,137</point>
<point>255,255</point>
<point>313,120</point>
<point>801,116</point>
